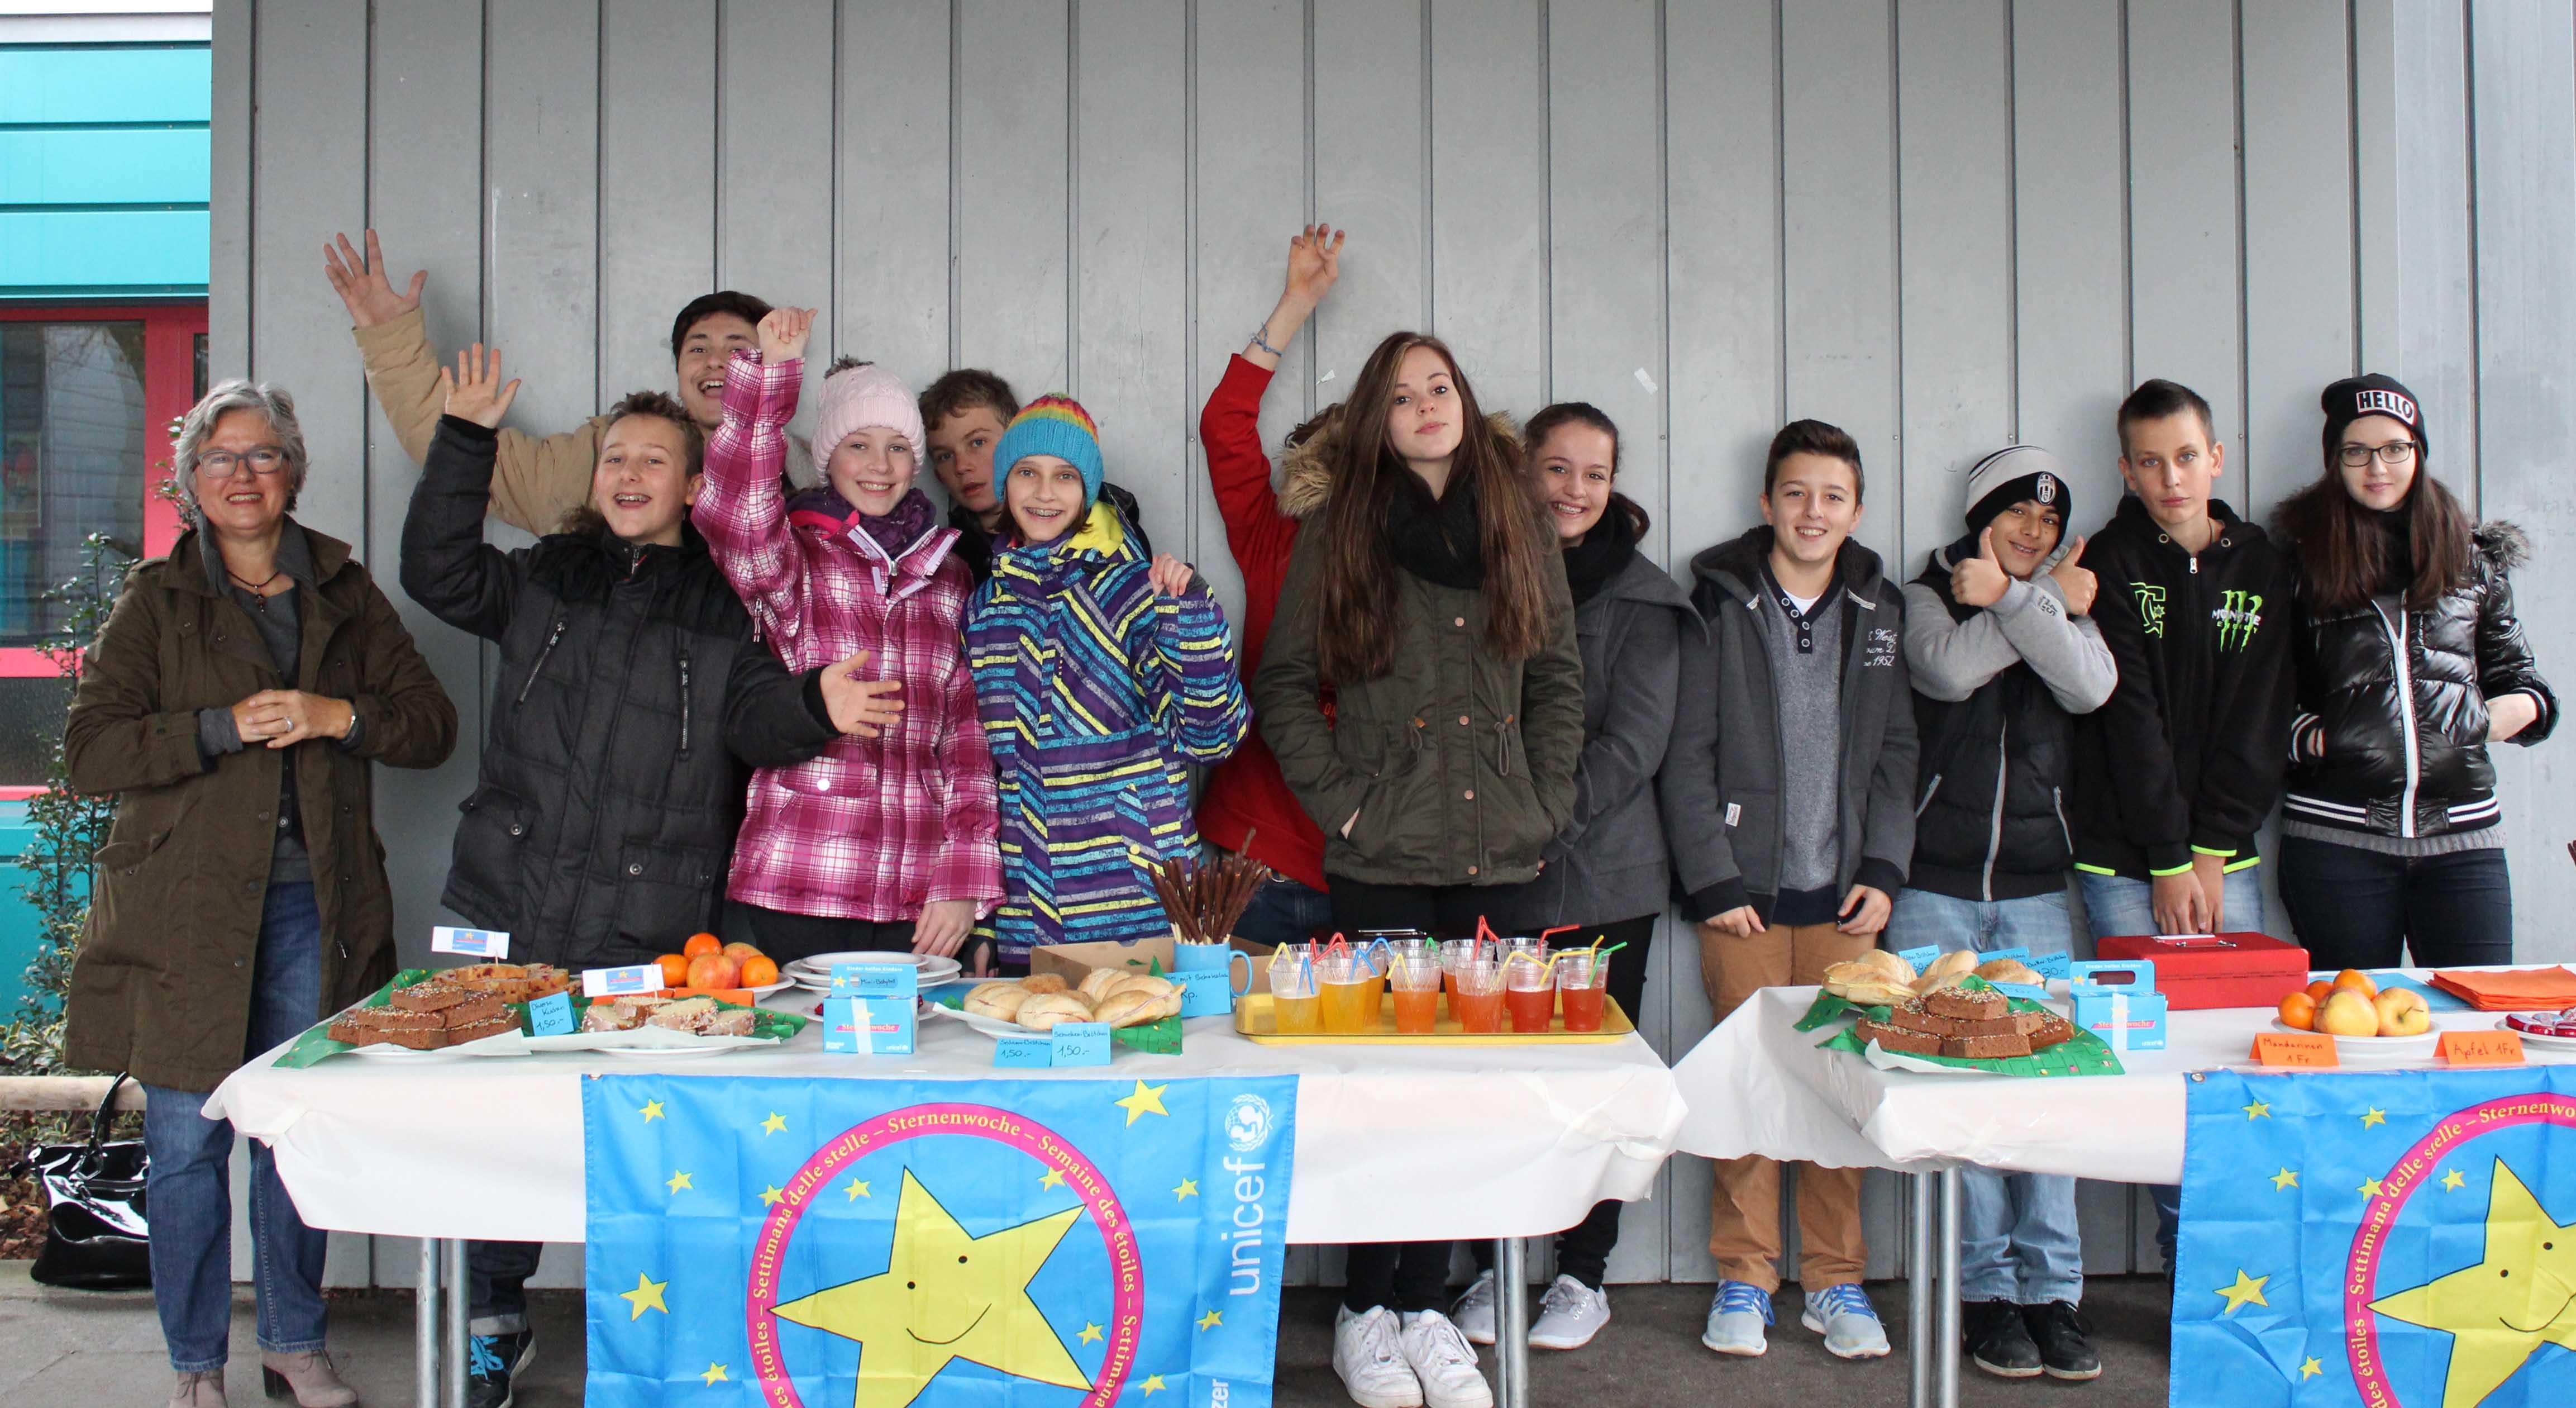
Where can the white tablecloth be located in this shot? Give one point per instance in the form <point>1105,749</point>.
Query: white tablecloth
<point>1393,1143</point>
<point>1756,1086</point>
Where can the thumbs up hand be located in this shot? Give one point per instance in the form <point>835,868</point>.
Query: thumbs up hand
<point>2076,582</point>
<point>1980,580</point>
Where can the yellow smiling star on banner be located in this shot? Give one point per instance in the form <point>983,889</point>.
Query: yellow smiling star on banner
<point>2247,1288</point>
<point>945,1295</point>
<point>1148,1100</point>
<point>647,1295</point>
<point>2499,1312</point>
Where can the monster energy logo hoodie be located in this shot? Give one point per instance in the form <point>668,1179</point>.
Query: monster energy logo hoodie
<point>2187,755</point>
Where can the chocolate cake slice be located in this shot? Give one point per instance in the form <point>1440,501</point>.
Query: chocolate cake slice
<point>1987,1047</point>
<point>478,1007</point>
<point>1971,1004</point>
<point>431,996</point>
<point>482,1027</point>
<point>2051,1031</point>
<point>1895,1038</point>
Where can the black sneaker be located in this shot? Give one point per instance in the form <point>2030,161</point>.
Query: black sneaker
<point>493,1360</point>
<point>2065,1340</point>
<point>1998,1340</point>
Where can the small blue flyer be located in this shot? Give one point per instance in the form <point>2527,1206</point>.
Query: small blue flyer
<point>1024,1052</point>
<point>551,1015</point>
<point>1080,1044</point>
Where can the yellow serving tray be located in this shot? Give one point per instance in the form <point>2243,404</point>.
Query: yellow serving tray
<point>1253,1019</point>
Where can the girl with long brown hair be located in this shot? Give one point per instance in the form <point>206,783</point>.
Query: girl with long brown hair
<point>2411,660</point>
<point>1426,597</point>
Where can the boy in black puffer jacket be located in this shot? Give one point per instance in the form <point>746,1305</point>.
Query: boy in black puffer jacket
<point>2004,655</point>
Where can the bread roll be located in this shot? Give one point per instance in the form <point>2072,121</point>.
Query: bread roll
<point>1041,1013</point>
<point>1128,1008</point>
<point>1895,969</point>
<point>1145,983</point>
<point>1040,984</point>
<point>1958,962</point>
<point>2010,970</point>
<point>996,1000</point>
<point>1097,983</point>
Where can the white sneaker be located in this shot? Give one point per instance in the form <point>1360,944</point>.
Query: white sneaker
<point>1570,1316</point>
<point>1443,1363</point>
<point>1738,1315</point>
<point>1844,1316</point>
<point>1366,1355</point>
<point>1474,1312</point>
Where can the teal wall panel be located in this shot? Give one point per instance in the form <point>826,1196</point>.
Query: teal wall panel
<point>103,166</point>
<point>40,84</point>
<point>54,254</point>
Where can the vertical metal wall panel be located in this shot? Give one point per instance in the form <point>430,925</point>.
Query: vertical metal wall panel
<point>1013,191</point>
<point>2070,237</point>
<point>657,183</point>
<point>309,156</point>
<point>541,228</point>
<point>426,61</point>
<point>774,168</point>
<point>2426,213</point>
<point>1954,177</point>
<point>2524,57</point>
<point>2184,265</point>
<point>892,149</point>
<point>1490,253</point>
<point>1839,235</point>
<point>1371,162</point>
<point>2375,112</point>
<point>1250,197</point>
<point>2299,273</point>
<point>234,196</point>
<point>1131,271</point>
<point>1605,243</point>
<point>1723,388</point>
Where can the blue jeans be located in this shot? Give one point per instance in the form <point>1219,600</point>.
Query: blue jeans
<point>2018,1239</point>
<point>1284,912</point>
<point>189,1192</point>
<point>2121,906</point>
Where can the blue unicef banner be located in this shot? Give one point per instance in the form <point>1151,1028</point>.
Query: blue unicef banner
<point>2398,1240</point>
<point>877,1243</point>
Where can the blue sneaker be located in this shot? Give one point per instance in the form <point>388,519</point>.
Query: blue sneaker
<point>1843,1315</point>
<point>1737,1318</point>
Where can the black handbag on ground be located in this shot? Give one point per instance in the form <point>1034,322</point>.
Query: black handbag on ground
<point>96,1237</point>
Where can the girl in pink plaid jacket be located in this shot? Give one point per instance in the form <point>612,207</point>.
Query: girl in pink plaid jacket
<point>884,842</point>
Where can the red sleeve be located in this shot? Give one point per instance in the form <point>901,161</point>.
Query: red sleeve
<point>1259,536</point>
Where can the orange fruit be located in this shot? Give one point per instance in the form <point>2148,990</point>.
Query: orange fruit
<point>741,953</point>
<point>711,970</point>
<point>2299,1010</point>
<point>2358,981</point>
<point>675,970</point>
<point>701,943</point>
<point>758,972</point>
<point>2320,990</point>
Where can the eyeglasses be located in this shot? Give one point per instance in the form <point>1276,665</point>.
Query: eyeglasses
<point>220,464</point>
<point>2394,452</point>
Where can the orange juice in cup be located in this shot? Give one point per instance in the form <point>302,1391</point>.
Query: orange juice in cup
<point>1350,989</point>
<point>1478,1001</point>
<point>1416,980</point>
<point>1582,982</point>
<point>1529,992</point>
<point>1296,1006</point>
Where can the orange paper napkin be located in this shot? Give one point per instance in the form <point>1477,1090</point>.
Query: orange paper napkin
<point>2512,990</point>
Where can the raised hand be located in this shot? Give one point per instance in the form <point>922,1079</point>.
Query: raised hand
<point>859,707</point>
<point>1170,575</point>
<point>474,390</point>
<point>2076,582</point>
<point>1314,262</point>
<point>783,333</point>
<point>1980,581</point>
<point>362,285</point>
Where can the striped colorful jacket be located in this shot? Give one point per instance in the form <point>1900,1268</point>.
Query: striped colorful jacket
<point>1097,696</point>
<point>873,828</point>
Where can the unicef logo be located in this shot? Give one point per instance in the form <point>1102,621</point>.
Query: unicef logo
<point>1247,1123</point>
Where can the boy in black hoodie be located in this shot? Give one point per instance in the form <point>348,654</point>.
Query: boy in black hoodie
<point>2175,773</point>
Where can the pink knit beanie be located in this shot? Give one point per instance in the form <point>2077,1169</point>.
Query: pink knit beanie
<point>863,396</point>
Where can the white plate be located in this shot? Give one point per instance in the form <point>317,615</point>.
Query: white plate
<point>387,1051</point>
<point>2378,1048</point>
<point>989,1026</point>
<point>766,989</point>
<point>657,1051</point>
<point>2537,1038</point>
<point>822,962</point>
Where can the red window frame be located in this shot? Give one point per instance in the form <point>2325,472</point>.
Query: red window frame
<point>170,332</point>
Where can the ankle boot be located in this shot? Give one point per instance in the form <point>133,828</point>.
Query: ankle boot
<point>308,1376</point>
<point>204,1389</point>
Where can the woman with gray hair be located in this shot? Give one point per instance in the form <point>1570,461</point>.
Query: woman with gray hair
<point>232,704</point>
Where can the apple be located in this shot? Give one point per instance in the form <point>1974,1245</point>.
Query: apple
<point>711,970</point>
<point>740,953</point>
<point>2348,1013</point>
<point>2402,1012</point>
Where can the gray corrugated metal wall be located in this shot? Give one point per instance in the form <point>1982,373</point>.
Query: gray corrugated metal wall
<point>1946,225</point>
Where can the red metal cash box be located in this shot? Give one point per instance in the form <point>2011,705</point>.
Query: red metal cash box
<point>2197,971</point>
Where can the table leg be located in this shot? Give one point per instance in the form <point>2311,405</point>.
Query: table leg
<point>458,1309</point>
<point>1949,1329</point>
<point>424,1330</point>
<point>1920,1275</point>
<point>1511,1320</point>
